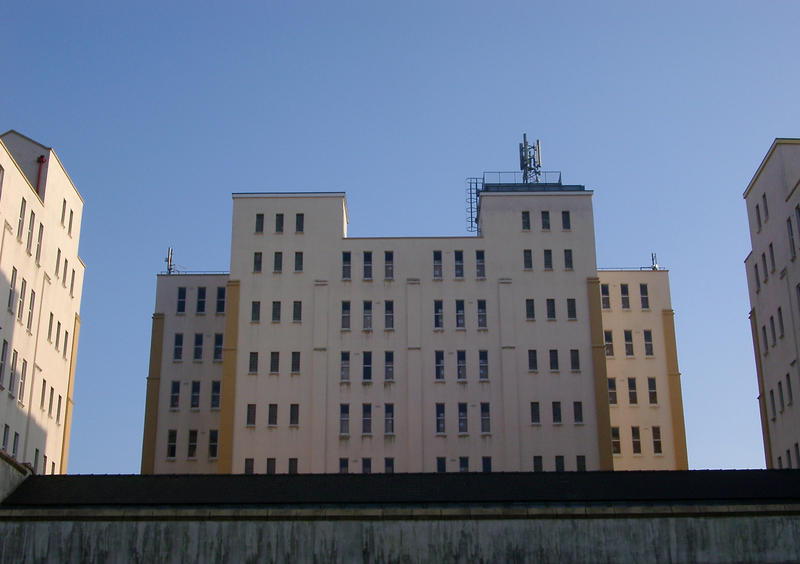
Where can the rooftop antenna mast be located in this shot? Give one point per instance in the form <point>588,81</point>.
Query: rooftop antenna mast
<point>530,160</point>
<point>168,260</point>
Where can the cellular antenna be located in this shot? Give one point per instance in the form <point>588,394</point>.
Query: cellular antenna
<point>530,160</point>
<point>168,260</point>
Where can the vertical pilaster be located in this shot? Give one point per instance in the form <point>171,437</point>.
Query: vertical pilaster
<point>415,440</point>
<point>605,458</point>
<point>319,388</point>
<point>151,402</point>
<point>229,352</point>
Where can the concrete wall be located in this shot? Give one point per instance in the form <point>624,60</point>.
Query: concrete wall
<point>580,534</point>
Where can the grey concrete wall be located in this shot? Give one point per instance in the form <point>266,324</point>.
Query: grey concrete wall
<point>717,538</point>
<point>11,475</point>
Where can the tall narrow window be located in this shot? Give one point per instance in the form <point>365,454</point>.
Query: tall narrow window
<point>181,297</point>
<point>486,418</point>
<point>636,440</point>
<point>346,265</point>
<point>276,312</point>
<point>344,419</point>
<point>69,225</point>
<point>439,365</point>
<point>366,369</point>
<point>441,464</point>
<point>548,259</point>
<point>388,366</point>
<point>299,222</point>
<point>545,220</point>
<point>609,341</point>
<point>628,342</point>
<point>345,315</point>
<point>440,418</point>
<point>535,414</point>
<point>366,419</point>
<point>766,209</point>
<point>217,346</point>
<point>278,223</point>
<point>367,315</point>
<point>437,265</point>
<point>461,365</point>
<point>460,321</point>
<point>571,309</point>
<point>626,300</point>
<point>459,264</point>
<point>216,386</point>
<point>612,391</point>
<point>758,217</point>
<point>294,414</point>
<point>388,265</point>
<point>533,361</point>
<point>567,259</point>
<point>438,314</point>
<point>482,323</point>
<point>788,393</point>
<point>31,225</point>
<point>298,261</point>
<point>574,359</point>
<point>566,223</point>
<point>295,367</point>
<point>201,299</point>
<point>388,419</point>
<point>14,285</point>
<point>257,261</point>
<point>632,396</point>
<point>213,443</point>
<point>526,221</point>
<point>72,283</point>
<point>388,465</point>
<point>780,323</point>
<point>250,420</point>
<point>771,258</point>
<point>3,360</point>
<point>277,261</point>
<point>22,377</point>
<point>198,346</point>
<point>615,442</point>
<point>344,366</point>
<point>367,265</point>
<point>388,314</point>
<point>648,342</point>
<point>463,426</point>
<point>252,367</point>
<point>259,223</point>
<point>764,266</point>
<point>274,362</point>
<point>605,298</point>
<point>39,243</point>
<point>480,264</point>
<point>652,392</point>
<point>21,223</point>
<point>255,311</point>
<point>537,463</point>
<point>172,443</point>
<point>656,439</point>
<point>530,310</point>
<point>577,411</point>
<point>527,259</point>
<point>556,412</point>
<point>32,306</point>
<point>551,309</point>
<point>220,299</point>
<point>297,311</point>
<point>194,400</point>
<point>792,248</point>
<point>177,351</point>
<point>554,359</point>
<point>63,212</point>
<point>483,365</point>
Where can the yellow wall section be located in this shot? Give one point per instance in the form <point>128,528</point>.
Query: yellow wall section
<point>225,461</point>
<point>675,396</point>
<point>605,458</point>
<point>153,387</point>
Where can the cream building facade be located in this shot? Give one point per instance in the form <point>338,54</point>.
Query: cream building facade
<point>323,353</point>
<point>773,279</point>
<point>40,211</point>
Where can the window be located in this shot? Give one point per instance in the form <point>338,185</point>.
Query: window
<point>198,346</point>
<point>486,464</point>
<point>559,463</point>
<point>345,315</point>
<point>251,415</point>
<point>201,299</point>
<point>299,220</point>
<point>535,416</point>
<point>3,358</point>
<point>276,312</point>
<point>612,391</point>
<point>554,359</point>
<point>771,397</point>
<point>367,265</point>
<point>537,463</point>
<point>15,446</point>
<point>460,320</point>
<point>439,366</point>
<point>63,211</point>
<point>66,338</point>
<point>556,412</point>
<point>483,365</point>
<point>780,321</point>
<point>172,443</point>
<point>788,395</point>
<point>388,314</point>
<point>388,366</point>
<point>270,465</point>
<point>438,314</point>
<point>792,248</point>
<point>42,396</point>
<point>295,368</point>
<point>628,342</point>
<point>21,304</point>
<point>527,259</point>
<point>766,209</point>
<point>566,223</point>
<point>181,297</point>
<point>482,314</point>
<point>461,365</point>
<point>278,223</point>
<point>441,464</point>
<point>14,285</point>
<point>459,264</point>
<point>780,395</point>
<point>765,343</point>
<point>72,283</point>
<point>32,302</point>
<point>644,295</point>
<point>292,466</point>
<point>21,394</point>
<point>605,299</point>
<point>344,366</point>
<point>388,465</point>
<point>49,334</point>
<point>651,391</point>
<point>636,441</point>
<point>220,299</point>
<point>277,261</point>
<point>21,223</point>
<point>366,419</point>
<point>253,364</point>
<point>297,311</point>
<point>64,278</point>
<point>177,351</point>
<point>574,359</point>
<point>366,372</point>
<point>545,220</point>
<point>480,264</point>
<point>58,333</point>
<point>388,419</point>
<point>388,266</point>
<point>213,443</point>
<point>366,465</point>
<point>463,463</point>
<point>259,223</point>
<point>530,310</point>
<point>626,300</point>
<point>632,397</point>
<point>257,261</point>
<point>298,261</point>
<point>6,431</point>
<point>69,225</point>
<point>31,225</point>
<point>367,315</point>
<point>346,265</point>
<point>572,313</point>
<point>255,311</point>
<point>615,442</point>
<point>437,265</point>
<point>568,259</point>
<point>648,342</point>
<point>344,419</point>
<point>39,243</point>
<point>215,394</point>
<point>580,463</point>
<point>764,265</point>
<point>440,418</point>
<point>771,258</point>
<point>248,465</point>
<point>274,362</point>
<point>294,414</point>
<point>191,451</point>
<point>462,418</point>
<point>758,217</point>
<point>217,346</point>
<point>526,221</point>
<point>195,398</point>
<point>609,340</point>
<point>533,363</point>
<point>344,466</point>
<point>486,418</point>
<point>551,309</point>
<point>577,411</point>
<point>548,259</point>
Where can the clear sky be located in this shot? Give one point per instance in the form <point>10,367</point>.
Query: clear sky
<point>160,110</point>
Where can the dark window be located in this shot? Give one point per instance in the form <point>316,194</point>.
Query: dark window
<point>571,310</point>
<point>274,362</point>
<point>437,265</point>
<point>537,463</point>
<point>276,312</point>
<point>577,411</point>
<point>294,414</point>
<point>366,369</point>
<point>480,264</point>
<point>297,311</point>
<point>253,365</point>
<point>295,362</point>
<point>220,299</point>
<point>201,299</point>
<point>533,363</point>
<point>259,223</point>
<point>551,308</point>
<point>566,224</point>
<point>255,312</point>
<point>388,271</point>
<point>574,359</point>
<point>272,414</point>
<point>257,262</point>
<point>346,265</point>
<point>215,394</point>
<point>526,220</point>
<point>559,463</point>
<point>277,261</point>
<point>556,412</point>
<point>217,346</point>
<point>251,414</point>
<point>299,220</point>
<point>367,265</point>
<point>605,299</point>
<point>568,259</point>
<point>459,264</point>
<point>527,259</point>
<point>298,262</point>
<point>535,415</point>
<point>181,297</point>
<point>545,221</point>
<point>548,259</point>
<point>530,311</point>
<point>553,359</point>
<point>612,391</point>
<point>278,223</point>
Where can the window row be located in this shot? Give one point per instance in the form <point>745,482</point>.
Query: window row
<point>555,413</point>
<point>758,212</point>
<point>12,441</point>
<point>291,467</point>
<point>255,311</point>
<point>547,256</point>
<point>624,296</point>
<point>627,335</point>
<point>772,331</point>
<point>194,394</point>
<point>633,395</point>
<point>54,336</point>
<point>277,261</point>
<point>299,223</point>
<point>553,360</point>
<point>197,348</point>
<point>64,272</point>
<point>389,312</point>
<point>636,440</point>
<point>788,458</point>
<point>785,397</point>
<point>200,304</point>
<point>17,374</point>
<point>32,231</point>
<point>191,444</point>
<point>274,362</point>
<point>550,309</point>
<point>566,222</point>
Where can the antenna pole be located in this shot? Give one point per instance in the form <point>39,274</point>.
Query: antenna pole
<point>530,160</point>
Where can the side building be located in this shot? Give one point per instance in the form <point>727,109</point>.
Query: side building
<point>773,280</point>
<point>42,274</point>
<point>415,354</point>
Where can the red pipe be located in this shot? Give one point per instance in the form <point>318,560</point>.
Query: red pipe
<point>41,160</point>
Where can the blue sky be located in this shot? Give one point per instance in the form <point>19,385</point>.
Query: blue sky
<point>159,111</point>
